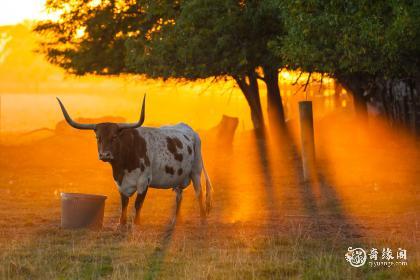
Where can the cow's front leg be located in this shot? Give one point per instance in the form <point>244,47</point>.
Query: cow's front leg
<point>124,205</point>
<point>138,204</point>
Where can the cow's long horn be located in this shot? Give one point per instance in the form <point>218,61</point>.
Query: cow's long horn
<point>141,120</point>
<point>73,123</point>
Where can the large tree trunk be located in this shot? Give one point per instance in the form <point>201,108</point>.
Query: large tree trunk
<point>249,87</point>
<point>400,101</point>
<point>357,85</point>
<point>337,94</point>
<point>360,104</point>
<point>274,104</point>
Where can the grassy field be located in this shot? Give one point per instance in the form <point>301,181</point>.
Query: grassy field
<point>266,223</point>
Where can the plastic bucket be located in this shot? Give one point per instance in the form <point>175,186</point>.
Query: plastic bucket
<point>80,210</point>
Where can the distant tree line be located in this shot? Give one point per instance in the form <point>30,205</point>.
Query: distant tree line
<point>370,47</point>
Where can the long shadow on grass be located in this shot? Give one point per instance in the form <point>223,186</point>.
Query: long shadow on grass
<point>277,158</point>
<point>287,149</point>
<point>156,259</point>
<point>277,154</point>
<point>318,196</point>
<point>265,163</point>
<point>334,206</point>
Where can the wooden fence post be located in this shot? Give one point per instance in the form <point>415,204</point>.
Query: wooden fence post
<point>307,139</point>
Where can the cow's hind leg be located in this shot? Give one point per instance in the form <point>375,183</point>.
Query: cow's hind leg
<point>196,179</point>
<point>138,204</point>
<point>178,200</point>
<point>196,176</point>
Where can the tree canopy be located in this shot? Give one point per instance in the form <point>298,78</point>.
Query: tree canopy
<point>357,42</point>
<point>189,40</point>
<point>209,38</point>
<point>354,41</point>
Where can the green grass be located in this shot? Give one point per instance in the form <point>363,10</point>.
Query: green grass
<point>142,254</point>
<point>286,231</point>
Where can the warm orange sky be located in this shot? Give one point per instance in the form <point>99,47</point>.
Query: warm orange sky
<point>15,11</point>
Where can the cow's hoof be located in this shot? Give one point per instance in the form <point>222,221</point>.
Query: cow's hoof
<point>203,222</point>
<point>122,227</point>
<point>173,222</point>
<point>208,208</point>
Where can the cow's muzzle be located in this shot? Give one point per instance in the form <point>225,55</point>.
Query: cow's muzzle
<point>106,156</point>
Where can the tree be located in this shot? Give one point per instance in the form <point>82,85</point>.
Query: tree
<point>188,40</point>
<point>205,41</point>
<point>357,42</point>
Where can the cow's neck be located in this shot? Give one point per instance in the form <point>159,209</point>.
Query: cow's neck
<point>126,159</point>
<point>118,168</point>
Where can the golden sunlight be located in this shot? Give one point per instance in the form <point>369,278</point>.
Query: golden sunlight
<point>270,218</point>
<point>16,11</point>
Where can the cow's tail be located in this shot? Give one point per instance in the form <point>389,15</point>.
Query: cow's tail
<point>209,189</point>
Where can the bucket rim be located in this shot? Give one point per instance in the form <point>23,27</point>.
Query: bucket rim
<point>69,195</point>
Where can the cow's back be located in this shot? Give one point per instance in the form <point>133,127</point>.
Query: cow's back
<point>171,150</point>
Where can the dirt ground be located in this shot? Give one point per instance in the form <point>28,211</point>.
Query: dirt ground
<point>266,222</point>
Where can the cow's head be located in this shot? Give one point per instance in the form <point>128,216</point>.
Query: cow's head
<point>107,134</point>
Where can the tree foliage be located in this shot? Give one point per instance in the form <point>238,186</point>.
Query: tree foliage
<point>90,36</point>
<point>375,38</point>
<point>190,40</point>
<point>357,42</point>
<point>210,38</point>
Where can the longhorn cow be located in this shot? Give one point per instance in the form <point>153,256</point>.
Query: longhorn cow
<point>145,157</point>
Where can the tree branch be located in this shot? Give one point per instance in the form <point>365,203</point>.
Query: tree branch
<point>320,86</point>
<point>306,85</point>
<point>298,78</point>
<point>307,81</point>
<point>259,77</point>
